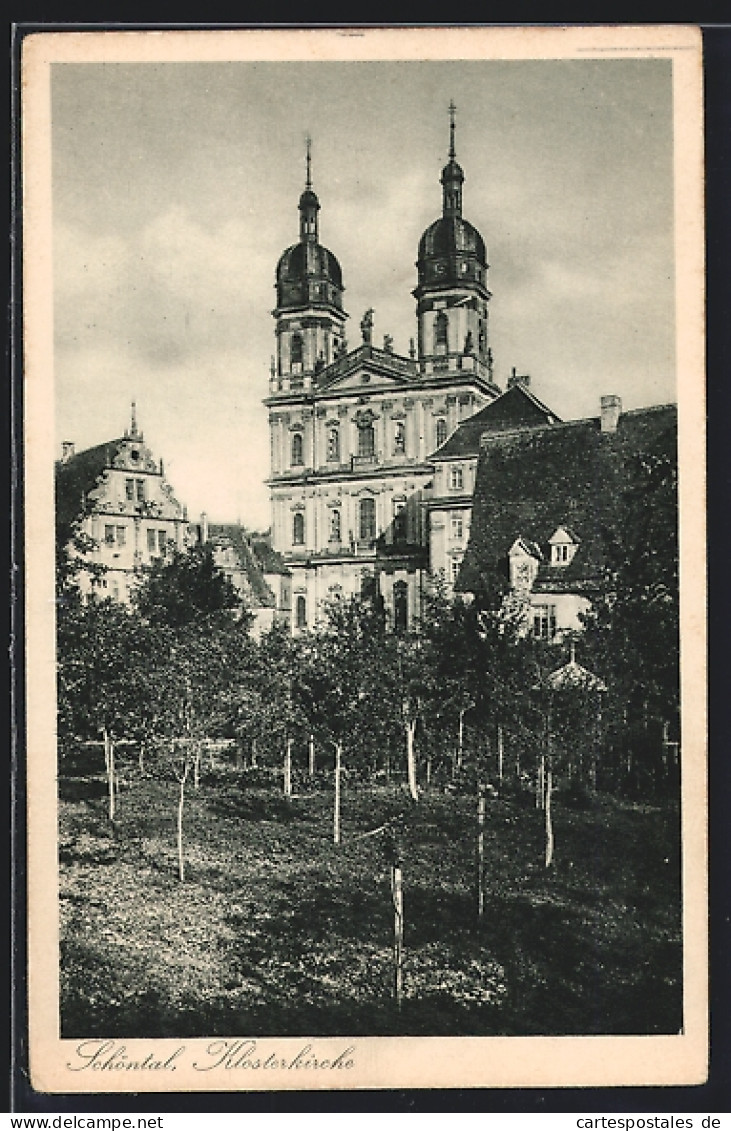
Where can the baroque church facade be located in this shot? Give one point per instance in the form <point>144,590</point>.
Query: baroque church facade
<point>352,430</point>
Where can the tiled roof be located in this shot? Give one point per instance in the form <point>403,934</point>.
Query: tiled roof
<point>571,474</point>
<point>516,408</point>
<point>234,535</point>
<point>75,478</point>
<point>268,558</point>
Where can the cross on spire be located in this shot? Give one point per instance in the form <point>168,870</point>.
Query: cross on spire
<point>452,112</point>
<point>308,145</point>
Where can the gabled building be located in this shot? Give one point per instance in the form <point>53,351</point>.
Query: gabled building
<point>449,503</point>
<point>352,430</point>
<point>256,572</point>
<point>548,501</point>
<point>116,494</point>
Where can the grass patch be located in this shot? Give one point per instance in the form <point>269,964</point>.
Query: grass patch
<point>276,930</point>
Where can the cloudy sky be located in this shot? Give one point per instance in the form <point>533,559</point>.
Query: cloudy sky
<point>175,189</point>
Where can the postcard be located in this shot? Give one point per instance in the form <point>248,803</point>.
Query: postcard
<point>363,440</point>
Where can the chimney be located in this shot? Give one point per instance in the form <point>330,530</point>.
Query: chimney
<point>518,379</point>
<point>204,527</point>
<point>67,450</point>
<point>611,411</point>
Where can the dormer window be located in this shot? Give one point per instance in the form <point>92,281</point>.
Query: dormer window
<point>525,558</point>
<point>564,545</point>
<point>456,478</point>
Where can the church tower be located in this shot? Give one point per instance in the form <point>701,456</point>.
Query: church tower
<point>310,321</point>
<point>452,295</point>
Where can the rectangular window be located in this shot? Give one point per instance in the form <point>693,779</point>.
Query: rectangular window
<point>129,489</point>
<point>121,535</point>
<point>456,478</point>
<point>109,535</point>
<point>454,566</point>
<point>544,622</point>
<point>140,485</point>
<point>162,539</point>
<point>367,520</point>
<point>151,541</point>
<point>457,527</point>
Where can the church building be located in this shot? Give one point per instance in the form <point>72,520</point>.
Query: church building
<point>352,429</point>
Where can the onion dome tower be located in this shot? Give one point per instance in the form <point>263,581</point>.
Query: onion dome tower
<point>310,321</point>
<point>452,295</point>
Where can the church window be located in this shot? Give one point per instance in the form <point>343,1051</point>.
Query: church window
<point>367,519</point>
<point>335,525</point>
<point>297,449</point>
<point>301,612</point>
<point>399,438</point>
<point>440,332</point>
<point>298,529</point>
<point>366,439</point>
<point>333,445</point>
<point>399,520</point>
<point>296,352</point>
<point>544,622</point>
<point>400,606</point>
<point>456,478</point>
<point>441,431</point>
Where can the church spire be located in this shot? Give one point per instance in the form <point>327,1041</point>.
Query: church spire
<point>452,175</point>
<point>309,204</point>
<point>452,112</point>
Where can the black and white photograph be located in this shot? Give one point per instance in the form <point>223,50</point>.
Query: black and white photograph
<point>364,443</point>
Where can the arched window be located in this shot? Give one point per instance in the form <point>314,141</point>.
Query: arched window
<point>440,332</point>
<point>441,431</point>
<point>367,519</point>
<point>297,449</point>
<point>333,445</point>
<point>335,526</point>
<point>301,612</point>
<point>295,353</point>
<point>298,529</point>
<point>366,439</point>
<point>400,606</point>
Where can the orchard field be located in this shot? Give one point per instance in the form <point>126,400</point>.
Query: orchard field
<point>276,929</point>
